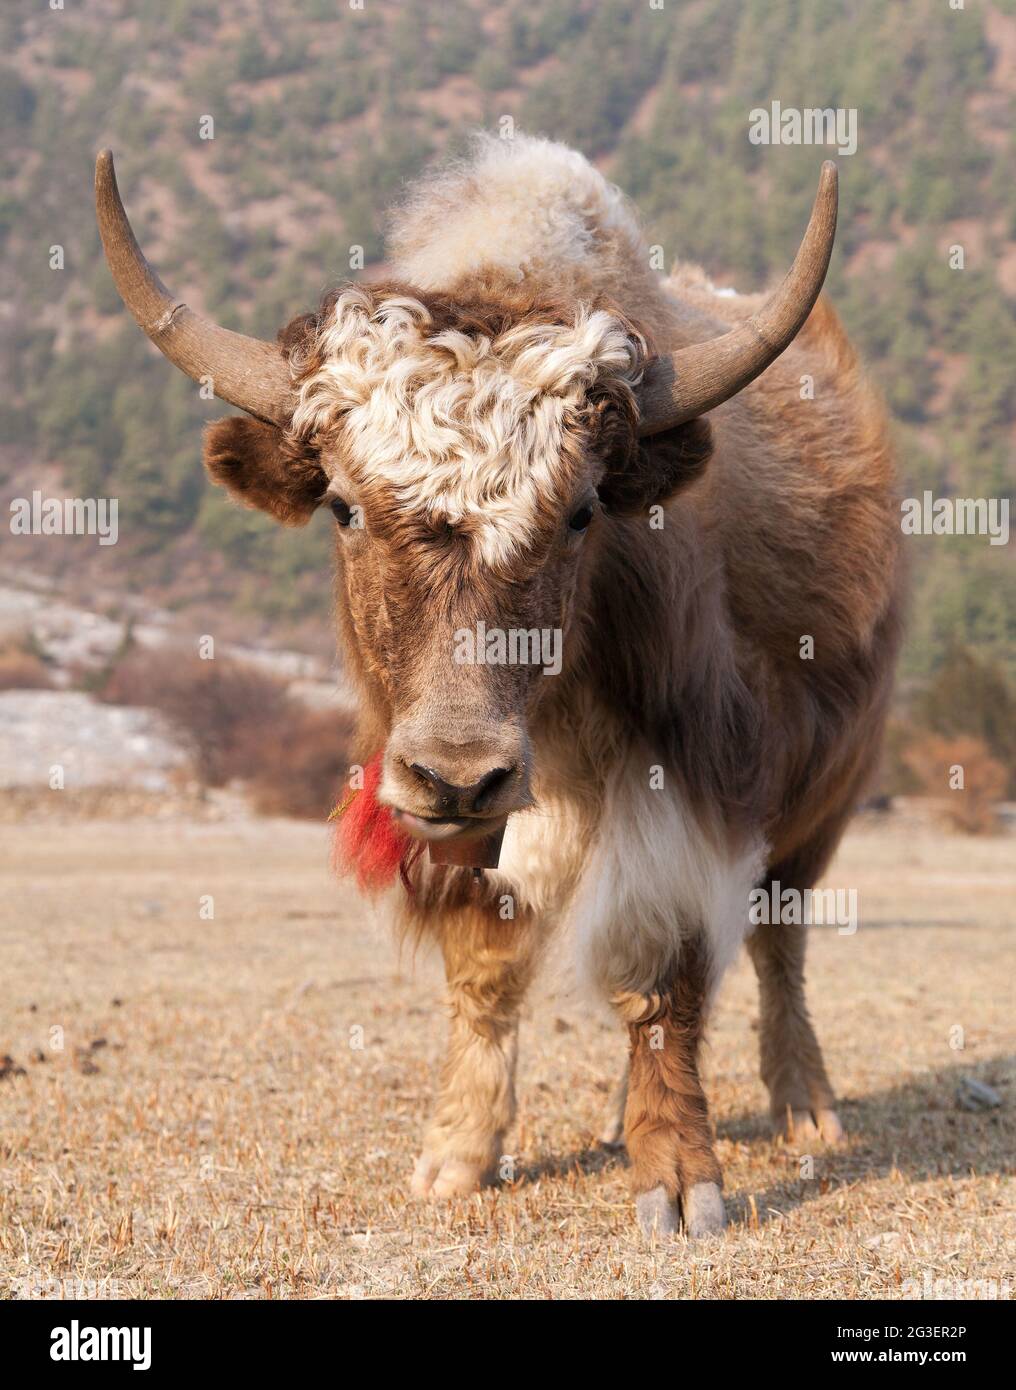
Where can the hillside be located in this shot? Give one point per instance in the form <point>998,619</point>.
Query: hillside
<point>320,113</point>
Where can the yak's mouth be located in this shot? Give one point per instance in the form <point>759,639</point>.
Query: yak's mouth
<point>469,841</point>
<point>435,828</point>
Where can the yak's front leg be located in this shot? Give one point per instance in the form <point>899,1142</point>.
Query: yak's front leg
<point>666,1123</point>
<point>488,962</point>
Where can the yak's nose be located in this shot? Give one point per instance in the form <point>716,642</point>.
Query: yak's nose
<point>452,799</point>
<point>481,772</point>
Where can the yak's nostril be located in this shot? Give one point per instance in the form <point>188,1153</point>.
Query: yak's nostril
<point>444,791</point>
<point>453,799</point>
<point>485,790</point>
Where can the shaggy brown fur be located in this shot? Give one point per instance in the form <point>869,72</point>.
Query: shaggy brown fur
<point>489,963</point>
<point>666,1121</point>
<point>682,651</point>
<point>779,524</point>
<point>727,594</point>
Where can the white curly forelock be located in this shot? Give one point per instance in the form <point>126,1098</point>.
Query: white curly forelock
<point>460,425</point>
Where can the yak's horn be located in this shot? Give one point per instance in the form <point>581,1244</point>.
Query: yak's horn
<point>687,383</point>
<point>245,371</point>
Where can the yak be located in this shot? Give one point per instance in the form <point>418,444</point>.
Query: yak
<point>525,428</point>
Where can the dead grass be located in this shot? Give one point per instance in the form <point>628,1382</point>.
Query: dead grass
<point>207,1130</point>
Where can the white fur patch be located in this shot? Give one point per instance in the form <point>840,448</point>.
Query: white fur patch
<point>656,875</point>
<point>462,427</point>
<point>541,855</point>
<point>528,209</point>
<point>650,877</point>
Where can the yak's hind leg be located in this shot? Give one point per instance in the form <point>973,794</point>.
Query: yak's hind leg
<point>612,1129</point>
<point>489,964</point>
<point>801,1100</point>
<point>666,1120</point>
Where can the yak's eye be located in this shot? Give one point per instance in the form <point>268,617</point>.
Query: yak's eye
<point>341,511</point>
<point>578,521</point>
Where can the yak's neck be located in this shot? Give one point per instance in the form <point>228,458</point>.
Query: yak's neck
<point>660,656</point>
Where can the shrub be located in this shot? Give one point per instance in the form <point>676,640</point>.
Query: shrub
<point>935,761</point>
<point>241,724</point>
<point>971,696</point>
<point>22,669</point>
<point>302,772</point>
<point>224,709</point>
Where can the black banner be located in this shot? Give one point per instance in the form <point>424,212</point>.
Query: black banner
<point>167,1339</point>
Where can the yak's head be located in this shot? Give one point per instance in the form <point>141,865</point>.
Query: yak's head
<point>471,447</point>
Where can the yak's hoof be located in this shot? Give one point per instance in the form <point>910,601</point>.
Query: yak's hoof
<point>657,1212</point>
<point>809,1126</point>
<point>704,1212</point>
<point>436,1177</point>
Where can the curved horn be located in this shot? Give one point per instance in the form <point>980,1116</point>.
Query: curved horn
<point>684,384</point>
<point>245,371</point>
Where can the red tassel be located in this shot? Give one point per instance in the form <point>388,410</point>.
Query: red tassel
<point>367,842</point>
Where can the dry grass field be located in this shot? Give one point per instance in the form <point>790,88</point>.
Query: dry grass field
<point>207,1130</point>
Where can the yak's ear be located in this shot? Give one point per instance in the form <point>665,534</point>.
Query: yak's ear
<point>642,472</point>
<point>258,465</point>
